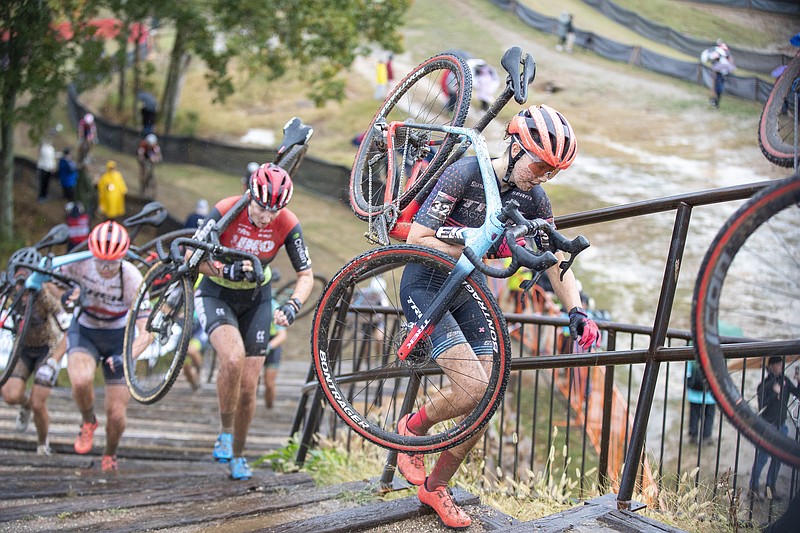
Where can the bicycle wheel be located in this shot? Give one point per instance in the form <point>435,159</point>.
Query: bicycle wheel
<point>776,126</point>
<point>166,303</point>
<point>283,294</point>
<point>291,160</point>
<point>357,328</point>
<point>749,279</point>
<point>15,313</point>
<point>420,97</point>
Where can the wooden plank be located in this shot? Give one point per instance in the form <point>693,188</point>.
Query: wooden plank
<point>209,490</point>
<point>367,516</point>
<point>173,516</point>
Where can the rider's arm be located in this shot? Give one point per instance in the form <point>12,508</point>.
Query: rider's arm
<point>419,234</point>
<point>566,289</point>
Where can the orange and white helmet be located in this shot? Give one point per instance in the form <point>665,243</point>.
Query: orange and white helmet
<point>544,132</point>
<point>271,187</point>
<point>109,241</point>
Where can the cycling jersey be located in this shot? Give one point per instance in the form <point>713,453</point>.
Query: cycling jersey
<point>458,199</point>
<point>104,302</point>
<point>264,243</point>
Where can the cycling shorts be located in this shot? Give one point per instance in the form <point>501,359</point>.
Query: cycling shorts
<point>216,306</point>
<point>273,359</point>
<point>30,358</point>
<point>105,345</point>
<point>463,323</point>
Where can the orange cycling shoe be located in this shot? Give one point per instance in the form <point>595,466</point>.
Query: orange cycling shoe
<point>442,502</point>
<point>109,463</point>
<point>411,466</point>
<point>83,444</point>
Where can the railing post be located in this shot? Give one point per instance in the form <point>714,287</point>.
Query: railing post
<point>300,412</point>
<point>608,400</point>
<point>311,427</point>
<point>661,323</point>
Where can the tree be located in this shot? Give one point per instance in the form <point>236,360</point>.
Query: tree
<point>38,58</point>
<point>322,37</point>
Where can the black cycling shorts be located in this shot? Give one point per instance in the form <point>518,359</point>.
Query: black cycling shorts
<point>216,305</point>
<point>105,345</point>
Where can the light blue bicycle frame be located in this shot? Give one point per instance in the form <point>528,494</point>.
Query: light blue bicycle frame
<point>479,239</point>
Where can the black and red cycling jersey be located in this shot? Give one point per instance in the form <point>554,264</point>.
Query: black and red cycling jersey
<point>264,243</point>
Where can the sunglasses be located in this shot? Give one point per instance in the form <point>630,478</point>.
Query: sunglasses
<point>535,167</point>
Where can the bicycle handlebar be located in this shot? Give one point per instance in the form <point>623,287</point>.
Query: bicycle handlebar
<point>211,248</point>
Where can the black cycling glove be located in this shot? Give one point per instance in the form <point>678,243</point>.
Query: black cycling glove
<point>235,272</point>
<point>290,309</point>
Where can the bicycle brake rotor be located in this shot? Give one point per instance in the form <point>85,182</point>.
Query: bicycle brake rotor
<point>420,355</point>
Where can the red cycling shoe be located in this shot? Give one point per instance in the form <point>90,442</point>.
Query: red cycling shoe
<point>442,502</point>
<point>411,466</point>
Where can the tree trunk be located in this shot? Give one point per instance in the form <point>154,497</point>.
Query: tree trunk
<point>7,168</point>
<point>137,75</point>
<point>122,65</point>
<point>172,87</point>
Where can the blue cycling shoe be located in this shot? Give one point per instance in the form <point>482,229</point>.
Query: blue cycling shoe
<point>223,448</point>
<point>240,469</point>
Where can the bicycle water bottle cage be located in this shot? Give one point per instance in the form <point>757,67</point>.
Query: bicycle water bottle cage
<point>512,60</point>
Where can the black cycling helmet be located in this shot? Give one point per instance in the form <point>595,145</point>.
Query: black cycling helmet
<point>24,257</point>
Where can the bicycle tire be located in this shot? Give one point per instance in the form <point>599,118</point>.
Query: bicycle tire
<point>769,220</point>
<point>419,98</point>
<point>151,374</point>
<point>16,308</point>
<point>283,294</point>
<point>290,161</point>
<point>776,125</point>
<point>344,324</point>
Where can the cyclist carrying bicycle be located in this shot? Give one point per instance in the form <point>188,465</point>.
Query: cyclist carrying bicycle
<point>107,287</point>
<point>542,143</point>
<point>87,136</point>
<point>148,154</point>
<point>237,321</point>
<point>42,350</point>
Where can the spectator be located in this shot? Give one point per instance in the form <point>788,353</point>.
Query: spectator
<point>111,191</point>
<point>68,174</point>
<point>702,405</point>
<point>719,59</point>
<point>390,71</point>
<point>566,33</point>
<point>197,219</point>
<point>46,165</point>
<point>77,220</point>
<point>381,80</point>
<point>486,83</point>
<point>773,400</point>
<point>42,350</point>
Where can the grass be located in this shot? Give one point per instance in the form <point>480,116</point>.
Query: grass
<point>690,506</point>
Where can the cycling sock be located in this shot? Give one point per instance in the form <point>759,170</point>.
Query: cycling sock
<point>443,471</point>
<point>88,415</point>
<point>238,447</point>
<point>226,420</point>
<point>419,423</point>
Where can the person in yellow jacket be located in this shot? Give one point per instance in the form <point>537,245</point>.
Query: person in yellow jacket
<point>111,191</point>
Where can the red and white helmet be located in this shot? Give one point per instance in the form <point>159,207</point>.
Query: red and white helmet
<point>88,118</point>
<point>545,132</point>
<point>271,187</point>
<point>109,241</point>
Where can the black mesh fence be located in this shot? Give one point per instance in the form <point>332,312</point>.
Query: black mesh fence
<point>751,88</point>
<point>314,175</point>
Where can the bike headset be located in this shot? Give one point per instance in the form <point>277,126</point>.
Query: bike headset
<point>109,241</point>
<point>271,187</point>
<point>545,133</point>
<point>22,258</point>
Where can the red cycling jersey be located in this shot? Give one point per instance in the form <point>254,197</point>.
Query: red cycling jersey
<point>264,243</point>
